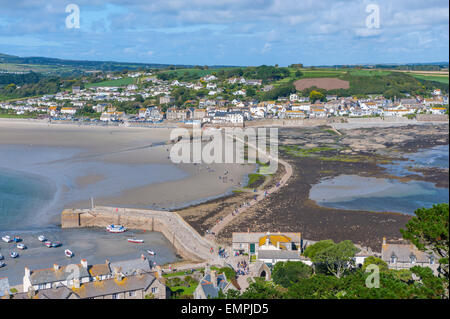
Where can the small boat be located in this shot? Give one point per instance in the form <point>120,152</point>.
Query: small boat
<point>56,244</point>
<point>42,238</point>
<point>115,228</point>
<point>17,239</point>
<point>48,243</point>
<point>13,254</point>
<point>2,264</point>
<point>21,246</point>
<point>151,252</point>
<point>7,239</point>
<point>68,253</point>
<point>135,240</point>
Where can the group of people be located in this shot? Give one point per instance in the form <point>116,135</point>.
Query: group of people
<point>242,268</point>
<point>222,253</point>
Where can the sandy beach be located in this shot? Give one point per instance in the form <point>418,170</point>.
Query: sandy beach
<point>118,166</point>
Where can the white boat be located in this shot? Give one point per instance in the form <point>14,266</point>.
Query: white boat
<point>21,246</point>
<point>42,238</point>
<point>7,239</point>
<point>68,253</point>
<point>115,228</point>
<point>13,254</point>
<point>135,240</point>
<point>151,252</point>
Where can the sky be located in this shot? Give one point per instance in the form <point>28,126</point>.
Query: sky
<point>229,32</point>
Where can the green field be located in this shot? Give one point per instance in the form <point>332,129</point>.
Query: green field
<point>435,78</point>
<point>118,82</point>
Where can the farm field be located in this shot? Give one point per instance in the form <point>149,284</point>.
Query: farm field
<point>435,78</point>
<point>118,82</point>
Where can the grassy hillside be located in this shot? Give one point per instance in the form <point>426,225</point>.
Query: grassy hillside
<point>118,82</point>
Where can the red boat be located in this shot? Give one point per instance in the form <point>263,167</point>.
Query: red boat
<point>135,240</point>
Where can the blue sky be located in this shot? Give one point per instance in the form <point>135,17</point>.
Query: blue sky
<point>229,32</point>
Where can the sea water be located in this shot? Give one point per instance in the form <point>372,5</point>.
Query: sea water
<point>386,195</point>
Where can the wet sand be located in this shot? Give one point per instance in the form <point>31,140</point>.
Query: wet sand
<point>118,166</point>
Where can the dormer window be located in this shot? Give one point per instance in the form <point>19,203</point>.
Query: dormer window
<point>413,259</point>
<point>431,259</point>
<point>393,259</point>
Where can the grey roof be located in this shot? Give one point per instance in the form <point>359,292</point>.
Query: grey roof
<point>48,275</point>
<point>404,252</point>
<point>254,237</point>
<point>4,287</point>
<point>131,267</point>
<point>278,254</point>
<point>113,286</point>
<point>208,287</point>
<point>56,293</point>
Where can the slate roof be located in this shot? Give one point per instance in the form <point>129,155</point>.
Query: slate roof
<point>404,252</point>
<point>99,270</point>
<point>208,287</point>
<point>47,275</point>
<point>254,237</point>
<point>131,267</point>
<point>4,287</point>
<point>113,286</point>
<point>278,254</point>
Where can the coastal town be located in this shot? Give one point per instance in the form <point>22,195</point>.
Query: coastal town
<point>224,158</point>
<point>98,104</point>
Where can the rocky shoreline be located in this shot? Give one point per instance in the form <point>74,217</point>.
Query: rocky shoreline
<point>321,152</point>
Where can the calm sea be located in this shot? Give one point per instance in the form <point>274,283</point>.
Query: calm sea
<point>21,194</point>
<point>386,195</point>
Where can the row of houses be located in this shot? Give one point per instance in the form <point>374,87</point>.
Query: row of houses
<point>271,248</point>
<point>130,279</point>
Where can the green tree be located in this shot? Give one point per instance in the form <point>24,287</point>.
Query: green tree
<point>290,272</point>
<point>337,258</point>
<point>428,230</point>
<point>372,260</point>
<point>312,250</point>
<point>262,290</point>
<point>316,96</point>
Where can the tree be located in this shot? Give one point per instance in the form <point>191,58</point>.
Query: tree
<point>337,258</point>
<point>312,250</point>
<point>315,96</point>
<point>290,272</point>
<point>262,290</point>
<point>372,260</point>
<point>428,230</point>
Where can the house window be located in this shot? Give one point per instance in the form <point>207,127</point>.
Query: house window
<point>393,259</point>
<point>154,290</point>
<point>114,296</point>
<point>132,293</point>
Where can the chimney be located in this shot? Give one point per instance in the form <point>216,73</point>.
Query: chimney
<point>55,267</point>
<point>267,240</point>
<point>278,245</point>
<point>76,283</point>
<point>27,272</point>
<point>214,278</point>
<point>384,240</point>
<point>84,263</point>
